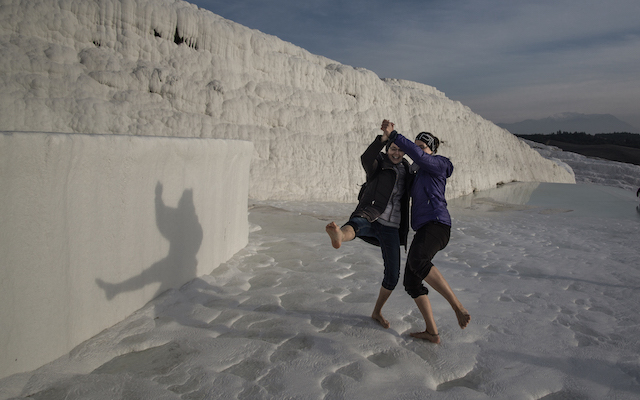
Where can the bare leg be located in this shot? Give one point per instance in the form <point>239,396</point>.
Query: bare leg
<point>339,235</point>
<point>431,331</point>
<point>437,281</point>
<point>377,311</point>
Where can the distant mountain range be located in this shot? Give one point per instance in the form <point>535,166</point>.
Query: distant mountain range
<point>570,122</point>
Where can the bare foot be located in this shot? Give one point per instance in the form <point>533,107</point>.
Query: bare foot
<point>433,338</point>
<point>378,317</point>
<point>463,317</point>
<point>335,234</point>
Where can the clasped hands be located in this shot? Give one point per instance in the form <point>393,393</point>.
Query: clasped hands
<point>387,127</point>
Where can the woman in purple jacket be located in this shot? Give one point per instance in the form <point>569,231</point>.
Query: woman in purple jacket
<point>431,221</point>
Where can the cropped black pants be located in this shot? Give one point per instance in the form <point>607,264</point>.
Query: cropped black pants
<point>428,240</point>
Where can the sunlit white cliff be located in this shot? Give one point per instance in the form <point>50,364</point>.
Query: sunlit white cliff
<point>167,68</point>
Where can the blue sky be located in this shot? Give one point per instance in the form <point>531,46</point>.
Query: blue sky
<point>507,60</point>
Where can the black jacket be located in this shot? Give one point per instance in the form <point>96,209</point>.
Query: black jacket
<point>381,178</point>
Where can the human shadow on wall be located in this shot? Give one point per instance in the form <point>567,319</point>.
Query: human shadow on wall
<point>180,226</point>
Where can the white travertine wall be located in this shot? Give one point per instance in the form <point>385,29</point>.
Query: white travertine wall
<point>92,227</point>
<point>167,68</point>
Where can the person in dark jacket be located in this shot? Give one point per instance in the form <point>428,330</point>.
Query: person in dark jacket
<point>382,214</point>
<point>431,221</point>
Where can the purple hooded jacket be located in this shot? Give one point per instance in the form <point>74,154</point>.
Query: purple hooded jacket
<point>428,202</point>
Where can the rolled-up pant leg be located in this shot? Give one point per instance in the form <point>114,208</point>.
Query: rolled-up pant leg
<point>428,240</point>
<point>390,246</point>
<point>389,241</point>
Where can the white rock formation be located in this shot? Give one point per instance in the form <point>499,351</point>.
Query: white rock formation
<point>592,170</point>
<point>167,68</point>
<point>95,226</point>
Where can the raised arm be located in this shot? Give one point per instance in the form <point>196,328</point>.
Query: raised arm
<point>431,164</point>
<point>369,158</point>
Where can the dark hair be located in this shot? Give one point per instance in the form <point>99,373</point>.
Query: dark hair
<point>388,145</point>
